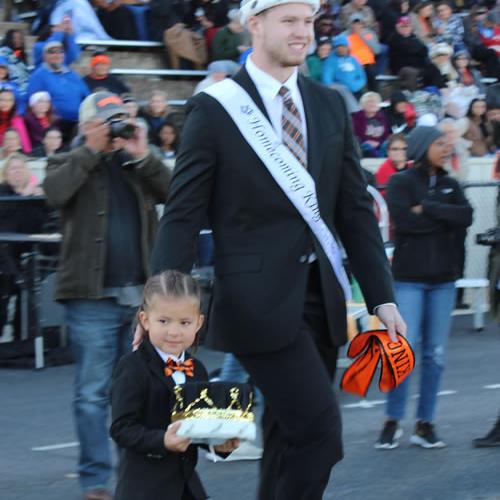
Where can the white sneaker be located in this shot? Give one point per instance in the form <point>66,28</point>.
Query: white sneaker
<point>246,451</point>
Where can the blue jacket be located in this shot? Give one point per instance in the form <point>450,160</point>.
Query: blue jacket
<point>20,97</point>
<point>66,88</point>
<point>72,50</point>
<point>344,70</point>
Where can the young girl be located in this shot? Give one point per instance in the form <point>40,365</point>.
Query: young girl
<point>155,113</point>
<point>10,119</point>
<point>156,462</point>
<point>168,141</point>
<point>479,129</point>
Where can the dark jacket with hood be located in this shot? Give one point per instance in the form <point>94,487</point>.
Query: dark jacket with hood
<point>400,123</point>
<point>406,51</point>
<point>426,248</point>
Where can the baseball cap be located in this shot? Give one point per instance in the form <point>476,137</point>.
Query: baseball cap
<point>101,105</point>
<point>356,17</point>
<point>99,59</point>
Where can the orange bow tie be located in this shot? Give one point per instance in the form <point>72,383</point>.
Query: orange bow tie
<point>370,347</point>
<point>174,366</point>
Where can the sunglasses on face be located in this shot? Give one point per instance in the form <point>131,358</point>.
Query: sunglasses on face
<point>55,51</point>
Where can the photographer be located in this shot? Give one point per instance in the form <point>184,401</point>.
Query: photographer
<point>106,190</point>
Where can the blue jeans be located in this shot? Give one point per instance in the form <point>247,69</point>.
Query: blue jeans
<point>427,309</point>
<point>100,332</point>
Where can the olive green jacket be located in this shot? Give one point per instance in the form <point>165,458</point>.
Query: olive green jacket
<point>76,184</point>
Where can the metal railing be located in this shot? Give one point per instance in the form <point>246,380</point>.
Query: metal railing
<point>140,44</point>
<point>160,72</point>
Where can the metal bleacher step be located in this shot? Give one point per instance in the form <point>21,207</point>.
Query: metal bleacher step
<point>6,26</point>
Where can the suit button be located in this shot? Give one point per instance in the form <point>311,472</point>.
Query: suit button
<point>303,259</point>
<point>99,240</point>
<point>101,213</point>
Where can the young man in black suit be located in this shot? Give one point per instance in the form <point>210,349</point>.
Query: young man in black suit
<point>278,303</point>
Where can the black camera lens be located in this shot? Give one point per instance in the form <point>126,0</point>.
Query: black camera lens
<point>121,128</point>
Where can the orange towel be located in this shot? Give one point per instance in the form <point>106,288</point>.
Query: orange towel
<point>369,348</point>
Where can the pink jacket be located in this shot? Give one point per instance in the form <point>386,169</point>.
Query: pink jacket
<point>18,124</point>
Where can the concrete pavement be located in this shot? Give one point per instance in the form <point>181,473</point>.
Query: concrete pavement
<point>38,449</point>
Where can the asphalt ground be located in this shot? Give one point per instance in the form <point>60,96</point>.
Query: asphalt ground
<point>38,449</point>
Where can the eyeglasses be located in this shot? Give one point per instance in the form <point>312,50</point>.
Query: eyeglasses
<point>398,149</point>
<point>55,51</point>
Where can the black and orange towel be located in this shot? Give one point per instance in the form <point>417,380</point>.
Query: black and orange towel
<point>369,348</point>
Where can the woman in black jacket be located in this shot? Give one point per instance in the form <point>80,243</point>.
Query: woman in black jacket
<point>427,208</point>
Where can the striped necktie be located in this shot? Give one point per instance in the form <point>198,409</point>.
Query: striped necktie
<point>291,123</point>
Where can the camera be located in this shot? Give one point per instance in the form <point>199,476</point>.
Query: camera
<point>491,237</point>
<point>120,128</point>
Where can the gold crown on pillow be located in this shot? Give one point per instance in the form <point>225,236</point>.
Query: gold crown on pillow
<point>193,401</point>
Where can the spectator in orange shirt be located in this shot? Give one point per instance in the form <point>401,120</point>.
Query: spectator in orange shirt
<point>364,46</point>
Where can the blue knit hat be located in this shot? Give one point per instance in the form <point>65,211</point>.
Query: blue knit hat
<point>340,40</point>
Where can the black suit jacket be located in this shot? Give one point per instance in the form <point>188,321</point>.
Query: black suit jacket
<point>141,401</point>
<point>261,241</point>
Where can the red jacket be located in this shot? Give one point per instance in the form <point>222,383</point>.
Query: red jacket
<point>384,173</point>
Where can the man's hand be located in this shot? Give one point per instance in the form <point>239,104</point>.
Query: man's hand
<point>228,446</point>
<point>96,134</point>
<point>173,442</point>
<point>137,146</point>
<point>417,209</point>
<point>390,317</point>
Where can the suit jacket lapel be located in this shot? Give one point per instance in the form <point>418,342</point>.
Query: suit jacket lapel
<point>313,127</point>
<point>244,80</point>
<point>155,363</point>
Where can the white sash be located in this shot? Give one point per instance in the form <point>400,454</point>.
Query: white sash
<point>291,176</point>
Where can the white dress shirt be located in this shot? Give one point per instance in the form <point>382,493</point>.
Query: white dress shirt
<point>178,377</point>
<point>268,88</point>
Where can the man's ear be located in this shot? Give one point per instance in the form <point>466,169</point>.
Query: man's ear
<point>253,25</point>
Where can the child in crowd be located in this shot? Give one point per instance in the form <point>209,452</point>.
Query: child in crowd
<point>155,113</point>
<point>10,119</point>
<point>11,143</point>
<point>396,160</point>
<point>156,462</point>
<point>168,142</point>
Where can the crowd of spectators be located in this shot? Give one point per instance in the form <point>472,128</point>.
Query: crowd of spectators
<point>435,54</point>
<point>438,54</point>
